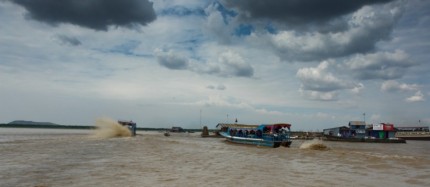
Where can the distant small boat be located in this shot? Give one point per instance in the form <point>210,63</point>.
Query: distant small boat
<point>270,135</point>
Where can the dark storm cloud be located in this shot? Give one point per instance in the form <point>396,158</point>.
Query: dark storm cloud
<point>94,14</point>
<point>297,11</point>
<point>366,27</point>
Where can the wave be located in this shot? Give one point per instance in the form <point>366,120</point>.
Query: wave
<point>314,144</point>
<point>109,128</point>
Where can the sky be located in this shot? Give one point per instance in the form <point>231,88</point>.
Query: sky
<point>313,63</point>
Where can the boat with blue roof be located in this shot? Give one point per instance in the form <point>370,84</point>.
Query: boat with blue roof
<point>269,135</point>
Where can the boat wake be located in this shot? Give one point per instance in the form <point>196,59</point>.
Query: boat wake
<point>314,144</point>
<point>108,128</point>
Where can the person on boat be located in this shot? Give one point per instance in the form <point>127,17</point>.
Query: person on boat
<point>267,130</point>
<point>240,133</point>
<point>284,130</point>
<point>259,134</point>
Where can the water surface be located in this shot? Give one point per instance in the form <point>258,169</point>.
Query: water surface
<point>54,157</point>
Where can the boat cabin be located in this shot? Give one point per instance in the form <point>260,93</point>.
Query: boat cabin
<point>358,129</point>
<point>255,131</point>
<point>342,131</point>
<point>130,125</point>
<point>271,135</point>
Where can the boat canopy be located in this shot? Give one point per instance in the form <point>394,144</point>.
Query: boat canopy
<point>236,126</point>
<point>274,127</point>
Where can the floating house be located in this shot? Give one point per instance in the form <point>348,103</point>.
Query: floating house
<point>381,131</point>
<point>358,131</point>
<point>355,129</point>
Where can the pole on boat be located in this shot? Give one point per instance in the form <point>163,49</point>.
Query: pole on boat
<point>364,117</point>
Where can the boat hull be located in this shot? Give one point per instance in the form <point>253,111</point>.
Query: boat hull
<point>413,135</point>
<point>367,140</point>
<point>256,141</point>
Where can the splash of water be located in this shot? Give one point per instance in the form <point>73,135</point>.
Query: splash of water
<point>109,128</point>
<point>314,144</point>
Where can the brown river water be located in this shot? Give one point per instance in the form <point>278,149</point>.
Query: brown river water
<point>53,157</point>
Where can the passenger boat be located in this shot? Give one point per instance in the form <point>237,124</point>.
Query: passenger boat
<point>270,135</point>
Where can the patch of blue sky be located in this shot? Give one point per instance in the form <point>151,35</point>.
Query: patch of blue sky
<point>226,13</point>
<point>270,28</point>
<point>181,11</point>
<point>244,30</point>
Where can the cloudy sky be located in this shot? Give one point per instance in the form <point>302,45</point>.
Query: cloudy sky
<point>162,63</point>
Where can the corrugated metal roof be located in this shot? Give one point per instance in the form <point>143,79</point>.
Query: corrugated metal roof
<point>234,125</point>
<point>341,128</point>
<point>356,123</point>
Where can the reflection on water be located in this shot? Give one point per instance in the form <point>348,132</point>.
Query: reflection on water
<point>31,157</point>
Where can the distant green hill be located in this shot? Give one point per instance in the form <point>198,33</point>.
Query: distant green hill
<point>33,124</point>
<point>22,122</point>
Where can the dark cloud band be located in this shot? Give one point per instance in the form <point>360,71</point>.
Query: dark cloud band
<point>297,11</point>
<point>94,14</point>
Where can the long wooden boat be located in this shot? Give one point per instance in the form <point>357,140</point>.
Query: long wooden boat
<point>270,135</point>
<point>368,140</point>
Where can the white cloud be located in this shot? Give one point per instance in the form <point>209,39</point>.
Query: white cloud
<point>321,96</point>
<point>367,26</point>
<point>215,25</point>
<point>379,65</point>
<point>234,64</point>
<point>393,86</point>
<point>358,88</point>
<point>318,83</point>
<point>416,98</point>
